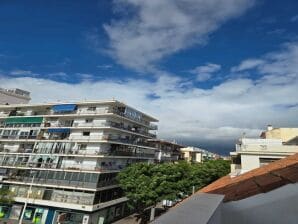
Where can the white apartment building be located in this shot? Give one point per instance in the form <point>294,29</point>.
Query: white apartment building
<point>14,96</point>
<point>166,151</point>
<point>62,159</point>
<point>273,144</point>
<point>195,154</point>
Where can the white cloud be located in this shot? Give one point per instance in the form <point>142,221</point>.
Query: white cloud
<point>247,64</point>
<point>205,72</point>
<point>147,31</point>
<point>191,114</point>
<point>294,18</point>
<point>19,72</point>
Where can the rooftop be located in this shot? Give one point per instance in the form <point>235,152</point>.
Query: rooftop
<point>89,102</point>
<point>260,180</point>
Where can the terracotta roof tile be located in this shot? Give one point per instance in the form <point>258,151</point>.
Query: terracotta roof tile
<point>263,179</point>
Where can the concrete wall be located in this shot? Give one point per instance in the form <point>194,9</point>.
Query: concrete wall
<point>12,98</point>
<point>285,134</point>
<point>275,207</point>
<point>250,162</point>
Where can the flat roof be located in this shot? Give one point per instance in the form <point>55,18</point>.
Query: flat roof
<point>165,142</point>
<point>197,209</point>
<point>89,102</point>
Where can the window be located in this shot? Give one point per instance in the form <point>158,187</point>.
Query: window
<point>265,161</point>
<point>91,108</point>
<point>6,132</point>
<point>83,147</point>
<point>86,133</point>
<point>89,120</point>
<point>14,132</point>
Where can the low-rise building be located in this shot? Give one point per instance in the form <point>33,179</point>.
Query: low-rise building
<point>274,144</point>
<point>14,96</point>
<point>195,154</point>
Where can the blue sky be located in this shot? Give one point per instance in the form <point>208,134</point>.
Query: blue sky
<point>199,66</point>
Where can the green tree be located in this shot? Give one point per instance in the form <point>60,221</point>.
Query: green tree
<point>6,196</point>
<point>147,184</point>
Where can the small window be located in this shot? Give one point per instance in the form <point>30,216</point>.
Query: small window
<point>14,132</point>
<point>83,147</point>
<point>6,132</point>
<point>89,120</point>
<point>91,108</point>
<point>86,133</point>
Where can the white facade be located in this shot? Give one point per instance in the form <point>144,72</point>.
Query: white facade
<point>194,154</point>
<point>14,96</point>
<point>254,153</point>
<point>71,154</point>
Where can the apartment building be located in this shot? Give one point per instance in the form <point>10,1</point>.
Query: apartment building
<point>14,96</point>
<point>198,155</point>
<point>60,161</point>
<point>273,144</point>
<point>166,151</point>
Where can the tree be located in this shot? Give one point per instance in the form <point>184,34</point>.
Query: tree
<point>147,184</point>
<point>6,196</point>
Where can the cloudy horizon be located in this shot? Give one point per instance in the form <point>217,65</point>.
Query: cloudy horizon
<point>184,65</point>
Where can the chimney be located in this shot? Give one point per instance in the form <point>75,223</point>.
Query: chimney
<point>269,127</point>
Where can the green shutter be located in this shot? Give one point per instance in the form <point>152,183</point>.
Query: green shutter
<point>23,120</point>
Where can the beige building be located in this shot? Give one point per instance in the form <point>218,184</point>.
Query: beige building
<point>274,144</point>
<point>194,154</point>
<point>285,134</point>
<point>14,96</point>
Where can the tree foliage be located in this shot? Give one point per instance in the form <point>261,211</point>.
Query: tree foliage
<point>6,196</point>
<point>146,184</point>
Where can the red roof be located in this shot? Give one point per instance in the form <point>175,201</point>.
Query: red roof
<point>260,180</point>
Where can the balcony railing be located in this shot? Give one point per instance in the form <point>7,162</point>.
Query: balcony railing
<point>78,167</point>
<point>104,124</point>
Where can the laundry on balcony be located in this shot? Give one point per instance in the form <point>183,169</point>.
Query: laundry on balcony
<point>62,108</point>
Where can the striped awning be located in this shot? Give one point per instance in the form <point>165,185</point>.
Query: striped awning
<point>23,120</point>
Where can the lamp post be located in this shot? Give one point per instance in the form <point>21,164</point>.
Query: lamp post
<point>27,198</point>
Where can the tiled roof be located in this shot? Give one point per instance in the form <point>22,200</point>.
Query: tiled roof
<point>260,180</point>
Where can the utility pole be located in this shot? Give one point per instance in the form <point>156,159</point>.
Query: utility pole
<point>27,198</point>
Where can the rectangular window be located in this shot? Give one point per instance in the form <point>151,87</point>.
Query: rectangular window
<point>91,108</point>
<point>83,147</point>
<point>86,133</point>
<point>6,132</point>
<point>89,120</point>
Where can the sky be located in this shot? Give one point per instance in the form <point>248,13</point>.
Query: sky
<point>211,71</point>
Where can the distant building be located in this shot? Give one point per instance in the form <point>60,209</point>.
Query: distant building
<point>274,144</point>
<point>194,154</point>
<point>266,195</point>
<point>14,96</point>
<point>166,151</point>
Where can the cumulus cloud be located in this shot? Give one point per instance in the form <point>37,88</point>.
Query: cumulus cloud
<point>147,31</point>
<point>205,72</point>
<point>190,114</point>
<point>247,64</point>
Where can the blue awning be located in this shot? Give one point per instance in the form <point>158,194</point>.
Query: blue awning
<point>64,108</point>
<point>59,130</point>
